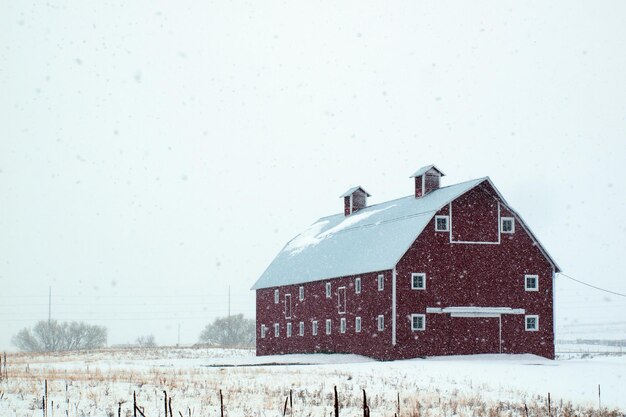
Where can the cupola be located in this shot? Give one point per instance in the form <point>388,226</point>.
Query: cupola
<point>427,179</point>
<point>354,200</point>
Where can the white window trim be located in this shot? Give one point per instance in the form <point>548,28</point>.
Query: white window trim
<point>447,218</point>
<point>339,300</point>
<point>502,220</point>
<point>526,287</point>
<point>417,274</point>
<point>380,322</point>
<point>301,293</point>
<point>380,282</point>
<point>301,331</point>
<point>314,327</point>
<point>329,326</point>
<point>263,331</point>
<point>536,317</point>
<point>288,329</point>
<point>287,310</point>
<point>357,285</point>
<point>418,329</point>
<point>329,290</point>
<point>357,324</point>
<point>276,296</point>
<point>276,330</point>
<point>342,325</point>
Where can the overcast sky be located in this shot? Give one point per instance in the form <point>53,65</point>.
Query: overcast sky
<point>154,154</point>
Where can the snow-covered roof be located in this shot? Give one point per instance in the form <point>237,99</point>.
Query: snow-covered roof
<point>373,239</point>
<point>352,190</point>
<point>425,169</point>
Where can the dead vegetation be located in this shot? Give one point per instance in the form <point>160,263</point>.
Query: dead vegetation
<point>80,388</point>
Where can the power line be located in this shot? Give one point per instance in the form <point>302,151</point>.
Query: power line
<point>593,286</point>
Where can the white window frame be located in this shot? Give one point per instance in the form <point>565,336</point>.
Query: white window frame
<point>531,316</point>
<point>380,280</point>
<point>276,296</point>
<point>357,285</point>
<point>536,287</point>
<point>416,275</point>
<point>276,330</point>
<point>301,293</point>
<point>287,306</point>
<point>288,329</point>
<point>342,325</point>
<point>314,327</point>
<point>502,220</point>
<point>329,326</point>
<point>417,328</point>
<point>263,331</point>
<point>329,290</point>
<point>447,219</point>
<point>357,324</point>
<point>301,332</point>
<point>380,322</point>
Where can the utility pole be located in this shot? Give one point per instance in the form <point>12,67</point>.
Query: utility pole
<point>49,304</point>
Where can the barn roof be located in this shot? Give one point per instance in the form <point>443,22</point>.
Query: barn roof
<point>374,239</point>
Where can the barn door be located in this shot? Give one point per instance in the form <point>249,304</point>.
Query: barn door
<point>287,306</point>
<point>341,302</point>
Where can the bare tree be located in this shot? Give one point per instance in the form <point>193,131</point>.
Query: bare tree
<point>52,336</point>
<point>147,341</point>
<point>229,331</point>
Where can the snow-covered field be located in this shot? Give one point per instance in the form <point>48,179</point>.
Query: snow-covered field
<point>95,383</point>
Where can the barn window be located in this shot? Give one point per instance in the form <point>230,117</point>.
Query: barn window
<point>328,326</point>
<point>357,285</point>
<point>328,290</point>
<point>342,326</point>
<point>357,324</point>
<point>442,223</point>
<point>381,323</point>
<point>531,282</point>
<point>263,331</point>
<point>381,282</point>
<point>287,306</point>
<point>532,323</point>
<point>301,328</point>
<point>418,322</point>
<point>276,297</point>
<point>507,225</point>
<point>314,328</point>
<point>418,281</point>
<point>288,329</point>
<point>301,293</point>
<point>276,329</point>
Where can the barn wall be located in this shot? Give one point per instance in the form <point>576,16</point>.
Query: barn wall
<point>368,305</point>
<point>474,275</point>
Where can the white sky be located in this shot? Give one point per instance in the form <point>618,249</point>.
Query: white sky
<point>152,154</point>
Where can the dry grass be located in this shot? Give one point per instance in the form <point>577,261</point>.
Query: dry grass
<point>89,390</point>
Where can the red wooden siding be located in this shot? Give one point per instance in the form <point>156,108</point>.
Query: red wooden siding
<point>368,305</point>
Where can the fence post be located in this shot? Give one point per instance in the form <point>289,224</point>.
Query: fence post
<point>165,402</point>
<point>336,402</point>
<point>221,404</point>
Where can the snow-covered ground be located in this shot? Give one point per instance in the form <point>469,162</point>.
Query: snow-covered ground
<point>95,383</point>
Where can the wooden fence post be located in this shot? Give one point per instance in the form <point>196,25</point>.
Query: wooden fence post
<point>336,403</point>
<point>221,404</point>
<point>165,402</point>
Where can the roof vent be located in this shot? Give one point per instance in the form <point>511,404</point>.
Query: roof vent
<point>427,179</point>
<point>354,200</point>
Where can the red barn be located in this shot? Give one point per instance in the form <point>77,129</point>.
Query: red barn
<point>445,271</point>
